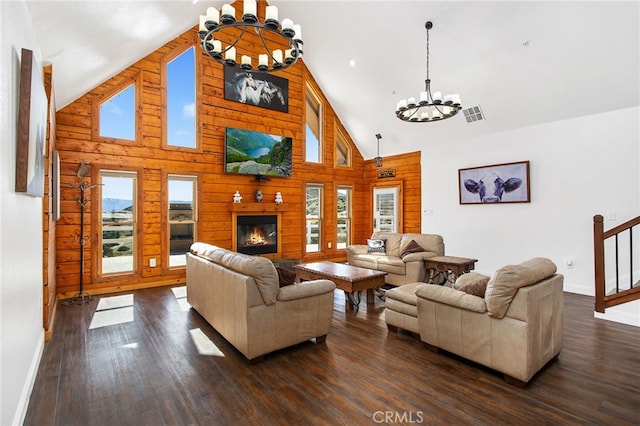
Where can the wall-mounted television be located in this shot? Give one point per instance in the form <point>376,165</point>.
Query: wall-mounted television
<point>258,154</point>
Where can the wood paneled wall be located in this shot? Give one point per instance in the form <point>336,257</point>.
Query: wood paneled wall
<point>78,140</point>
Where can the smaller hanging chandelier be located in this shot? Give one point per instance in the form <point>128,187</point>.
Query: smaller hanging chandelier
<point>378,158</point>
<point>428,107</point>
<point>218,22</point>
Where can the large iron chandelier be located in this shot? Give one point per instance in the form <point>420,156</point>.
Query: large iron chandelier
<point>428,107</point>
<point>216,26</point>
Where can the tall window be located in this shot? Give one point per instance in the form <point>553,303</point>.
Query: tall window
<point>343,150</point>
<point>118,224</point>
<point>181,95</point>
<point>344,217</point>
<point>118,115</point>
<point>181,217</point>
<point>314,218</point>
<point>313,138</point>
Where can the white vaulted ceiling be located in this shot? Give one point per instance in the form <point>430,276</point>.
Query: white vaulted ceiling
<point>524,63</point>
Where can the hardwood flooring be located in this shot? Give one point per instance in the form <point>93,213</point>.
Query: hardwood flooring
<point>160,363</point>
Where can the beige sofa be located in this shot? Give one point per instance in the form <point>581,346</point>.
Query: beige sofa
<point>515,329</point>
<point>240,297</point>
<point>400,270</point>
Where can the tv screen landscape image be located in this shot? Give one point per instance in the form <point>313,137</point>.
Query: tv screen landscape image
<point>258,154</point>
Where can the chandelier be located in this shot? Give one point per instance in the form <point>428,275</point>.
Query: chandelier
<point>428,107</point>
<point>216,26</point>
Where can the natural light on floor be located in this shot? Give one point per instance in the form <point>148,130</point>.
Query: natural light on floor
<point>180,293</point>
<point>113,310</point>
<point>204,345</point>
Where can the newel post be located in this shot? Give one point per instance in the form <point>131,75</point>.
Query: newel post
<point>598,261</point>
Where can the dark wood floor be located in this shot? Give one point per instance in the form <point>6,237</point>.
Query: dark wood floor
<point>150,371</point>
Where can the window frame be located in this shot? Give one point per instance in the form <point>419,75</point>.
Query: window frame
<point>174,54</point>
<point>99,274</point>
<point>136,81</point>
<point>167,222</point>
<point>312,93</point>
<point>318,218</point>
<point>340,138</point>
<point>348,218</point>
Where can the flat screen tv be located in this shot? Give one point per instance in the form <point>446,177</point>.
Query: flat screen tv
<point>258,154</point>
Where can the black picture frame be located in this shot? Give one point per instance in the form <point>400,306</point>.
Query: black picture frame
<point>32,128</point>
<point>256,88</point>
<point>497,183</point>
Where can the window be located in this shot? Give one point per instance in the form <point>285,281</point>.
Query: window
<point>181,217</point>
<point>313,138</point>
<point>344,217</point>
<point>181,94</point>
<point>118,221</point>
<point>118,115</point>
<point>313,218</point>
<point>343,150</point>
<point>385,209</point>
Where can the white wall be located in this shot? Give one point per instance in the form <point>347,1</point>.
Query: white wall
<point>21,332</point>
<point>579,168</point>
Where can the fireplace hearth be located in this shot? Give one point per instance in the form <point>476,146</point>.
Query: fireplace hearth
<point>257,234</point>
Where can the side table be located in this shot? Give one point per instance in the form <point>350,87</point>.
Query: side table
<point>451,266</point>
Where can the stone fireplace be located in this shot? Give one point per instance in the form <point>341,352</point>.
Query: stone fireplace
<point>257,234</point>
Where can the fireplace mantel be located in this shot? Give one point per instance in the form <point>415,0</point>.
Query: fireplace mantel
<point>260,207</point>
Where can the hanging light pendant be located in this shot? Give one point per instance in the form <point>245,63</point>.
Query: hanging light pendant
<point>268,59</point>
<point>428,107</point>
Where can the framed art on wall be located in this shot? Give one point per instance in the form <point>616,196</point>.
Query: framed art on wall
<point>256,88</point>
<point>32,128</point>
<point>497,183</point>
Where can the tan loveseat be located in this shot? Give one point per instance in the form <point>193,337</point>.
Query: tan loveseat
<point>400,270</point>
<point>515,329</point>
<point>240,297</point>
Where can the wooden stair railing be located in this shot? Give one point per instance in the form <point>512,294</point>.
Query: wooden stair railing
<point>618,296</point>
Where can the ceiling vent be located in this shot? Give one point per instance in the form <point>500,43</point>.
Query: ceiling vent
<point>473,114</point>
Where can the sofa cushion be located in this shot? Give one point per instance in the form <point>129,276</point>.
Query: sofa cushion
<point>392,241</point>
<point>285,277</point>
<point>411,247</point>
<point>472,283</point>
<point>429,242</point>
<point>452,297</point>
<point>391,264</point>
<point>506,281</point>
<point>376,246</point>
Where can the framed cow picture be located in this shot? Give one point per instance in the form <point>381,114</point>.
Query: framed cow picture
<point>256,88</point>
<point>497,183</point>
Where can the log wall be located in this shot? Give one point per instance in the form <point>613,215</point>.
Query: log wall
<point>78,139</point>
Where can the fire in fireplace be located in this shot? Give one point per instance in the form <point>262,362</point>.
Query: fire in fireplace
<point>257,234</point>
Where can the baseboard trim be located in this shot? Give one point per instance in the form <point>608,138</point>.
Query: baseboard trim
<point>25,395</point>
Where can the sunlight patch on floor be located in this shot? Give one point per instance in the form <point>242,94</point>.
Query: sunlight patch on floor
<point>113,310</point>
<point>204,345</point>
<point>180,293</point>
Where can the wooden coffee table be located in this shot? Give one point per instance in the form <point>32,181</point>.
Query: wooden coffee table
<point>451,266</point>
<point>351,279</point>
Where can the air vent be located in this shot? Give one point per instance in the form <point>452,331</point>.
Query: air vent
<point>473,114</point>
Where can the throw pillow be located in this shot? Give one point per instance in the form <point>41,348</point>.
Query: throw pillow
<point>472,283</point>
<point>285,277</point>
<point>376,246</point>
<point>412,247</point>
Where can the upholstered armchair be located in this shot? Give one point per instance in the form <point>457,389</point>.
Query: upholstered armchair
<point>515,329</point>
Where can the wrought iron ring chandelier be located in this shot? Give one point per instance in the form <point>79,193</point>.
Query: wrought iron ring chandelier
<point>215,23</point>
<point>428,107</point>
